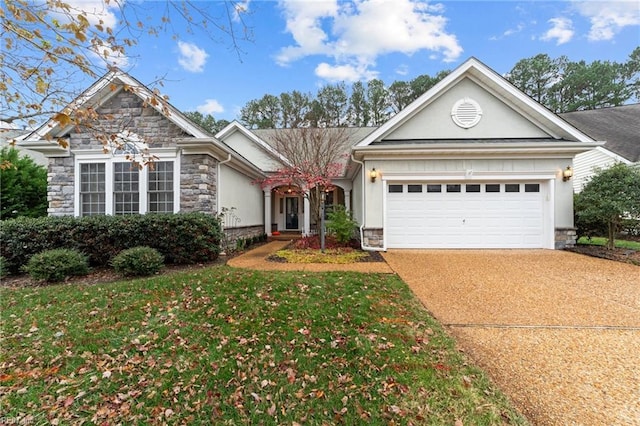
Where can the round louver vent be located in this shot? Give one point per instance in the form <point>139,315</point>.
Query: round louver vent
<point>466,113</point>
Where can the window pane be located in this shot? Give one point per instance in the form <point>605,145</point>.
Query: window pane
<point>531,187</point>
<point>453,187</point>
<point>472,187</point>
<point>434,188</point>
<point>512,187</point>
<point>414,188</point>
<point>492,187</point>
<point>126,198</point>
<point>160,194</point>
<point>395,188</point>
<point>92,184</point>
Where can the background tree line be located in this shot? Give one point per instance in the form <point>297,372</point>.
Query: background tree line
<point>558,84</point>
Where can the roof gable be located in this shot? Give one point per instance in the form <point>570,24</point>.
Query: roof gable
<point>250,146</point>
<point>104,89</point>
<point>430,116</point>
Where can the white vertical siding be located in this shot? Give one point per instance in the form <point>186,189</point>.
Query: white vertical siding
<point>587,164</point>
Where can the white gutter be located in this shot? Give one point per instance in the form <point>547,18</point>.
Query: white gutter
<point>364,181</point>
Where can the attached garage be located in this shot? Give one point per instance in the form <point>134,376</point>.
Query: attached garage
<point>491,214</point>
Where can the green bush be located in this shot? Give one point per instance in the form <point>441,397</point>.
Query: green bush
<point>24,186</point>
<point>56,265</point>
<point>182,238</point>
<point>340,224</point>
<point>138,261</point>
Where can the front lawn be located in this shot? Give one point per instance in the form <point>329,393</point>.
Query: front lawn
<point>602,241</point>
<point>228,346</point>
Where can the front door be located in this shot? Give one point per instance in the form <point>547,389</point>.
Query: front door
<point>291,213</point>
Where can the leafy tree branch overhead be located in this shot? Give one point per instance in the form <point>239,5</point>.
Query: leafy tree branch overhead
<point>50,46</point>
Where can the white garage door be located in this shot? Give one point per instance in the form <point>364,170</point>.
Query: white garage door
<point>465,215</point>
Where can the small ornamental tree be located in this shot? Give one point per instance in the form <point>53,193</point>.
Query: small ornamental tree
<point>612,195</point>
<point>310,160</point>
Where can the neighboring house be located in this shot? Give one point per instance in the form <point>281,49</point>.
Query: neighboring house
<point>9,137</point>
<point>618,127</point>
<point>472,163</point>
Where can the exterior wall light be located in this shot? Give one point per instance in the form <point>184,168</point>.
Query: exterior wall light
<point>567,174</point>
<point>373,174</point>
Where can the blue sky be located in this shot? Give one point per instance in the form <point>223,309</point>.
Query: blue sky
<point>305,44</point>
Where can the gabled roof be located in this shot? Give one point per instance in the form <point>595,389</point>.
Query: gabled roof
<point>618,126</point>
<point>235,126</point>
<point>108,86</point>
<point>104,89</point>
<point>495,84</point>
<point>353,136</point>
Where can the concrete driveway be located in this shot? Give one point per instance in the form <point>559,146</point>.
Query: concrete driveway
<point>559,332</point>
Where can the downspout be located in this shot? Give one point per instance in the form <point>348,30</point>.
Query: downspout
<point>364,181</point>
<point>219,186</point>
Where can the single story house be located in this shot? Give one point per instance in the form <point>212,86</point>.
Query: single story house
<point>618,127</point>
<point>472,163</point>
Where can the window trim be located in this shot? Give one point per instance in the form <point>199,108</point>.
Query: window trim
<point>85,157</point>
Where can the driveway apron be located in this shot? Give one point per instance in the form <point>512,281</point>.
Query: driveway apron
<point>559,332</point>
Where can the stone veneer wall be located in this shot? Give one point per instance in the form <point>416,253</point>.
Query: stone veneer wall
<point>233,234</point>
<point>373,237</point>
<point>198,183</point>
<point>565,238</point>
<point>60,186</point>
<point>124,110</point>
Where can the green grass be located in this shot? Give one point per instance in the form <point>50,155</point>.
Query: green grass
<point>228,346</point>
<point>601,241</point>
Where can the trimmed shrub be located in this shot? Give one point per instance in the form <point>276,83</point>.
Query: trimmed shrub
<point>340,224</point>
<point>56,265</point>
<point>138,261</point>
<point>181,238</point>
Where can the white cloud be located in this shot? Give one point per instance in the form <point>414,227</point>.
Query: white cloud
<point>402,69</point>
<point>192,58</point>
<point>96,11</point>
<point>355,34</point>
<point>210,106</point>
<point>561,31</point>
<point>607,19</point>
<point>347,73</point>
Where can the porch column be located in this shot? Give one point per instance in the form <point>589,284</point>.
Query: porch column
<point>347,200</point>
<point>267,211</point>
<point>306,230</point>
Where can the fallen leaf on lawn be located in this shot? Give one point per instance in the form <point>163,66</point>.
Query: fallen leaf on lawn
<point>272,410</point>
<point>68,401</point>
<point>106,374</point>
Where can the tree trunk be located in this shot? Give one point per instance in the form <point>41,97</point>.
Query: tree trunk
<point>611,243</point>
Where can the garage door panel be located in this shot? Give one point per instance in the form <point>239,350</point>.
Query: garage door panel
<point>465,219</point>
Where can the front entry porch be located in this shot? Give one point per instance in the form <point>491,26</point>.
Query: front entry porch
<point>287,209</point>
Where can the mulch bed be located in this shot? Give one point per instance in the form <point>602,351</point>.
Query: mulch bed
<point>372,256</point>
<point>617,254</point>
<point>101,275</point>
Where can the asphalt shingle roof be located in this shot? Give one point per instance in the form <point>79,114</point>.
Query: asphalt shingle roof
<point>618,126</point>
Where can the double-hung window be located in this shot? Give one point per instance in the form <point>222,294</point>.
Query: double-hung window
<point>114,185</point>
<point>92,189</point>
